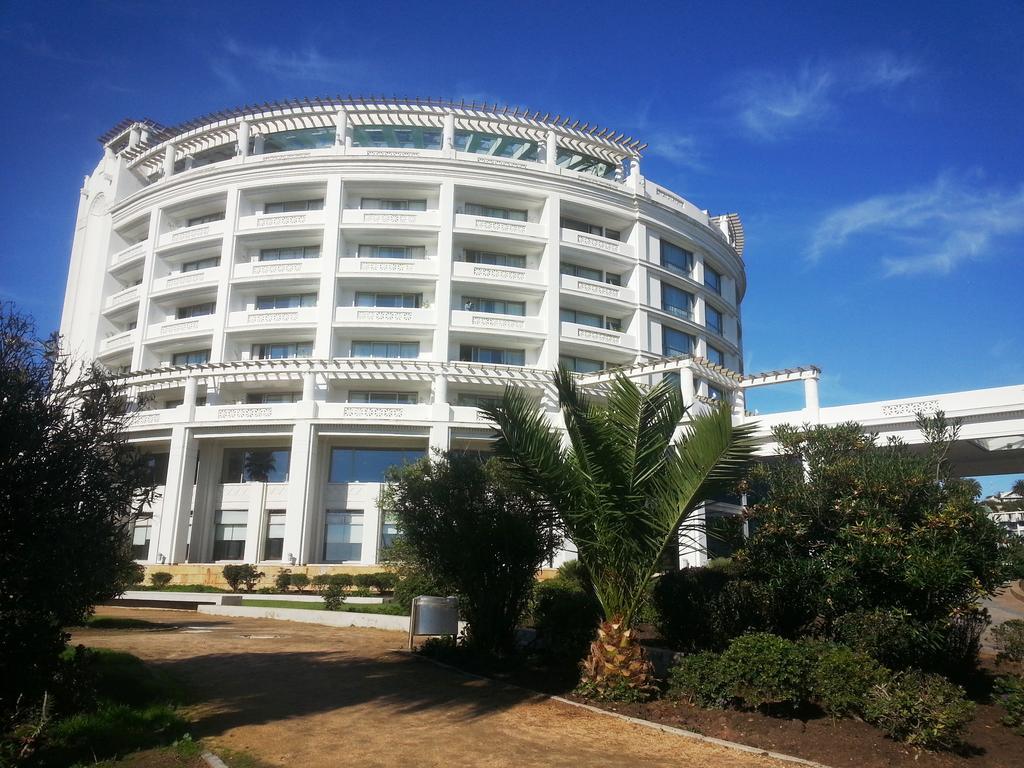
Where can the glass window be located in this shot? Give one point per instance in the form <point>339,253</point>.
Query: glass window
<point>194,266</point>
<point>343,536</point>
<point>574,161</point>
<point>716,356</point>
<point>285,254</point>
<point>589,273</point>
<point>404,300</point>
<point>581,318</point>
<point>196,310</point>
<point>474,354</point>
<point>675,342</point>
<point>397,349</point>
<point>713,318</point>
<point>206,218</point>
<point>369,465</point>
<point>388,531</point>
<point>496,212</point>
<point>404,136</point>
<point>677,259</point>
<point>287,301</point>
<point>392,252</point>
<point>383,398</point>
<point>255,465</point>
<point>229,534</point>
<point>676,301</point>
<point>712,279</point>
<point>497,259</point>
<point>714,393</point>
<point>591,229</point>
<point>196,357</point>
<point>141,534</point>
<point>300,138</point>
<point>268,398</point>
<point>282,350</point>
<point>497,146</point>
<point>493,306</point>
<point>385,204</point>
<point>273,543</point>
<point>476,400</point>
<point>156,467</point>
<point>293,206</point>
<point>580,364</point>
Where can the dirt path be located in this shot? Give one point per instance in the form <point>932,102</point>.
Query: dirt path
<point>311,696</point>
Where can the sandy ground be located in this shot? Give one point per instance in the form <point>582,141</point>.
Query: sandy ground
<point>304,695</point>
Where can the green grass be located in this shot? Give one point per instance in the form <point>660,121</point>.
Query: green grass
<point>117,622</point>
<point>390,609</point>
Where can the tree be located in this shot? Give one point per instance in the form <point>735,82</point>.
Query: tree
<point>1018,487</point>
<point>70,488</point>
<point>621,488</point>
<point>460,521</point>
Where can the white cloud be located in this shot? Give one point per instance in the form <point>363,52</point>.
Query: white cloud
<point>883,69</point>
<point>308,64</point>
<point>679,149</point>
<point>931,229</point>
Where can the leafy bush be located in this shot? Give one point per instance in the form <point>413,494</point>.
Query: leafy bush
<point>839,678</point>
<point>920,708</point>
<point>572,573</point>
<point>283,580</point>
<point>321,582</point>
<point>380,581</point>
<point>1008,639</point>
<point>160,579</point>
<point>564,616</point>
<point>890,636</point>
<point>413,583</point>
<point>334,597</point>
<point>761,669</point>
<point>343,580</point>
<point>698,679</point>
<point>299,580</point>
<point>1010,694</point>
<point>239,576</point>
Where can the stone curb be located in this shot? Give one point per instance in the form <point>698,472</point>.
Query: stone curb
<point>213,761</point>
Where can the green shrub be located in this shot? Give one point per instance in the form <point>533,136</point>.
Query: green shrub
<point>283,580</point>
<point>760,669</point>
<point>382,581</point>
<point>890,636</point>
<point>299,580</point>
<point>839,678</point>
<point>160,579</point>
<point>334,597</point>
<point>920,708</point>
<point>414,583</point>
<point>698,679</point>
<point>242,576</point>
<point>572,573</point>
<point>111,731</point>
<point>363,580</point>
<point>564,616</point>
<point>1010,694</point>
<point>321,582</point>
<point>1008,639</point>
<point>343,580</point>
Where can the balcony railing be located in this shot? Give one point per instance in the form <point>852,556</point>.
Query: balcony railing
<point>487,273</point>
<point>189,234</point>
<point>384,316</point>
<point>487,321</point>
<point>596,243</point>
<point>260,270</point>
<point>183,327</point>
<point>123,298</point>
<point>200,278</point>
<point>301,316</point>
<point>274,221</point>
<point>594,288</point>
<point>591,334</point>
<point>128,254</point>
<point>411,267</point>
<point>389,219</point>
<point>492,226</point>
<point>118,341</point>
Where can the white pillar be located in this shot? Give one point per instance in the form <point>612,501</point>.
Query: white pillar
<point>687,385</point>
<point>308,386</point>
<point>190,398</point>
<point>134,136</point>
<point>551,150</point>
<point>636,181</point>
<point>443,286</point>
<point>341,129</point>
<point>448,136</point>
<point>169,161</point>
<point>739,405</point>
<point>243,138</point>
<point>302,491</point>
<point>172,528</point>
<point>254,522</point>
<point>811,403</point>
<point>257,144</point>
<point>327,298</point>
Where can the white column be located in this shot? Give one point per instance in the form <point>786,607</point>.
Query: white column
<point>445,257</point>
<point>172,527</point>
<point>257,144</point>
<point>551,150</point>
<point>812,406</point>
<point>189,403</point>
<point>636,323</point>
<point>439,432</point>
<point>254,522</point>
<point>636,181</point>
<point>687,385</point>
<point>219,351</point>
<point>169,161</point>
<point>448,135</point>
<point>308,386</point>
<point>327,294</point>
<point>243,138</point>
<point>739,405</point>
<point>301,489</point>
<point>553,279</point>
<point>341,129</point>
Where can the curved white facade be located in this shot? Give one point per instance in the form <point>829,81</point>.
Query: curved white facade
<point>312,290</point>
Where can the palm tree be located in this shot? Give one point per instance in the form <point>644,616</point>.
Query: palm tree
<point>621,489</point>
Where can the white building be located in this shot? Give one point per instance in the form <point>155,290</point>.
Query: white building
<point>314,290</point>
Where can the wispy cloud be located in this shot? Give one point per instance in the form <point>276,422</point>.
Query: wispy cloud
<point>678,148</point>
<point>928,230</point>
<point>302,64</point>
<point>772,105</point>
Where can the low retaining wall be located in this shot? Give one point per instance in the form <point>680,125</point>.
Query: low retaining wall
<point>292,598</point>
<point>306,616</point>
<point>184,600</point>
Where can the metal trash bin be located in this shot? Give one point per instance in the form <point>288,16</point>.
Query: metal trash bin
<point>433,616</point>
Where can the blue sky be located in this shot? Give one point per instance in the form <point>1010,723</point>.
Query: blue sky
<point>874,150</point>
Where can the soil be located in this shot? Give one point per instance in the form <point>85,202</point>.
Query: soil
<point>305,695</point>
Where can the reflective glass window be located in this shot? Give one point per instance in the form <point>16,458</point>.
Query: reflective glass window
<point>394,349</point>
<point>369,465</point>
<point>255,465</point>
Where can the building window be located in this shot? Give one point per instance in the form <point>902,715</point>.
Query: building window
<point>580,364</point>
<point>392,252</point>
<point>195,357</point>
<point>282,350</point>
<point>195,266</point>
<point>141,533</point>
<point>497,146</point>
<point>388,532</point>
<point>229,534</point>
<point>476,400</point>
<point>294,206</point>
<point>343,536</point>
<point>716,356</point>
<point>677,259</point>
<point>273,542</point>
<point>591,229</point>
<point>403,300</point>
<point>287,254</point>
<point>496,259</point>
<point>206,218</point>
<point>713,319</point>
<point>675,342</point>
<point>712,279</point>
<point>396,136</point>
<point>299,138</point>
<point>496,212</point>
<point>676,301</point>
<point>286,301</point>
<point>196,310</point>
<point>714,393</point>
<point>369,465</point>
<point>399,349</point>
<point>493,306</point>
<point>382,204</point>
<point>270,398</point>
<point>589,273</point>
<point>382,398</point>
<point>255,465</point>
<point>574,161</point>
<point>473,354</point>
<point>589,318</point>
<point>156,467</point>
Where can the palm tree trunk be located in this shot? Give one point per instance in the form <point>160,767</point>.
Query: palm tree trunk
<point>617,667</point>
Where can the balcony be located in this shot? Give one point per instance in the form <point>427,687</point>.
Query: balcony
<point>596,289</point>
<point>396,317</point>
<point>269,222</point>
<point>123,298</point>
<point>501,227</point>
<point>467,414</point>
<point>117,342</point>
<point>588,334</point>
<point>185,327</point>
<point>373,219</point>
<point>191,234</point>
<point>200,278</point>
<point>263,270</point>
<point>490,322</point>
<point>596,243</point>
<point>374,412</point>
<point>131,253</point>
<point>370,267</point>
<point>492,275</point>
<point>244,412</point>
<point>292,316</point>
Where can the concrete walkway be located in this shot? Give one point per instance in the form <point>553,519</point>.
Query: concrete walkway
<point>311,696</point>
